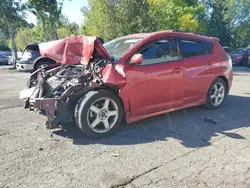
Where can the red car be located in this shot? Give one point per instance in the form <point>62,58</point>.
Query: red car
<point>129,78</point>
<point>240,56</point>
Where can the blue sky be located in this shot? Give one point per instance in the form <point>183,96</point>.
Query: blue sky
<point>71,8</point>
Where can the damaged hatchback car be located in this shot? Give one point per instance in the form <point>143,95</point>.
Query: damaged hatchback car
<point>97,85</point>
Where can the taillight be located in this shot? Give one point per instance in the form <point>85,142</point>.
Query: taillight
<point>229,59</point>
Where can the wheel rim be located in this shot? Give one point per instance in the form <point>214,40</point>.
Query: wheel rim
<point>102,115</point>
<point>217,94</point>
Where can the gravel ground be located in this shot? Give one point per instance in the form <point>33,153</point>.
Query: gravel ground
<point>177,149</point>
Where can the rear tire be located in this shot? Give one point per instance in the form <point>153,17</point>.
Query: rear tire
<point>216,94</point>
<point>99,114</point>
<point>248,62</point>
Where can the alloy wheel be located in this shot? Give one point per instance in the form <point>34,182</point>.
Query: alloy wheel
<point>102,115</point>
<point>217,94</point>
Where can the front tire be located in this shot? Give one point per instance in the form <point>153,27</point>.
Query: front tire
<point>99,113</point>
<point>216,94</point>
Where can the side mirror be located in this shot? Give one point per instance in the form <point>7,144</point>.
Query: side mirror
<point>137,59</point>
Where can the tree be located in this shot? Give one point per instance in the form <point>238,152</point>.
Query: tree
<point>63,32</point>
<point>74,28</point>
<point>112,18</point>
<point>238,17</point>
<point>11,16</point>
<point>36,7</point>
<point>66,27</point>
<point>63,20</point>
<point>218,26</point>
<point>98,19</point>
<point>134,17</point>
<point>187,15</point>
<point>49,12</point>
<point>25,36</point>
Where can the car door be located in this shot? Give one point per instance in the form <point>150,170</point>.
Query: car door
<point>197,61</point>
<point>156,84</point>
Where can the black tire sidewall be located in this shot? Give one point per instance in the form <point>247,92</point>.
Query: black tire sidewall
<point>41,63</point>
<point>85,103</point>
<point>209,104</point>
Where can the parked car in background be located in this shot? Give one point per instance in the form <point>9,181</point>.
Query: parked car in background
<point>12,58</point>
<point>227,49</point>
<point>240,56</point>
<point>5,51</point>
<point>131,78</point>
<point>3,60</point>
<point>31,60</point>
<point>248,62</point>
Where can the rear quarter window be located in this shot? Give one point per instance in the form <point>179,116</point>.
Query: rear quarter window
<point>191,48</point>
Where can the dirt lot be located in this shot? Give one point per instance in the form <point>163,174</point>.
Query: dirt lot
<point>177,149</point>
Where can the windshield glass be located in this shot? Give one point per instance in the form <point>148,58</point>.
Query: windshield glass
<point>120,46</point>
<point>239,51</point>
<point>27,53</point>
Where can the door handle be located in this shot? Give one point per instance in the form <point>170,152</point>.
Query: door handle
<point>177,70</point>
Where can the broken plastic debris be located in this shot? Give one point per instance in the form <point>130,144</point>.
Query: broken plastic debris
<point>115,155</point>
<point>209,120</point>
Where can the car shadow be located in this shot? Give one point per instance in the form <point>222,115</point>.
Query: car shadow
<point>187,126</point>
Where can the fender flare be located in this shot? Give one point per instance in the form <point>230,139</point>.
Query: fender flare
<point>37,60</point>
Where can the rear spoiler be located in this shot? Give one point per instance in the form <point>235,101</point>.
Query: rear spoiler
<point>217,39</point>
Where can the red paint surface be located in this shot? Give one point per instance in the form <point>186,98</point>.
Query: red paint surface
<point>73,50</point>
<point>159,88</point>
<point>155,89</point>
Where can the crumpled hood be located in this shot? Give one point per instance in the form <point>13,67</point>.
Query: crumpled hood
<point>74,50</point>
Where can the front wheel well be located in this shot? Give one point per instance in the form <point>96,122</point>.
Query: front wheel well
<point>114,89</point>
<point>44,59</point>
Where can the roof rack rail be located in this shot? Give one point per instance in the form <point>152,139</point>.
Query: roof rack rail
<point>183,31</point>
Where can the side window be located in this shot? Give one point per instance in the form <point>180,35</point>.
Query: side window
<point>191,48</point>
<point>159,52</point>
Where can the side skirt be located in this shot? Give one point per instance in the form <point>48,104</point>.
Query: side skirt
<point>130,119</point>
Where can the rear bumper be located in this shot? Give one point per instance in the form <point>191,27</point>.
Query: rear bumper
<point>24,67</point>
<point>230,80</point>
<point>237,61</point>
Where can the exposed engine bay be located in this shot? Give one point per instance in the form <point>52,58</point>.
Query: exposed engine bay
<point>55,92</point>
<point>82,66</point>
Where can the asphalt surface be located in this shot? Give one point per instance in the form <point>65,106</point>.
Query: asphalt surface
<point>178,149</point>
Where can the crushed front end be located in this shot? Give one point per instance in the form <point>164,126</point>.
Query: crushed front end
<point>54,92</point>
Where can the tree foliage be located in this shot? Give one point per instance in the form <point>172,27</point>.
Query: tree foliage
<point>48,11</point>
<point>229,20</point>
<point>11,18</point>
<point>25,36</point>
<point>110,18</point>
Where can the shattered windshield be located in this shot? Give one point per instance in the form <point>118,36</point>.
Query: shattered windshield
<point>120,46</point>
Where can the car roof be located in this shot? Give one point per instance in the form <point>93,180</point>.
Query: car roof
<point>33,44</point>
<point>170,33</point>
